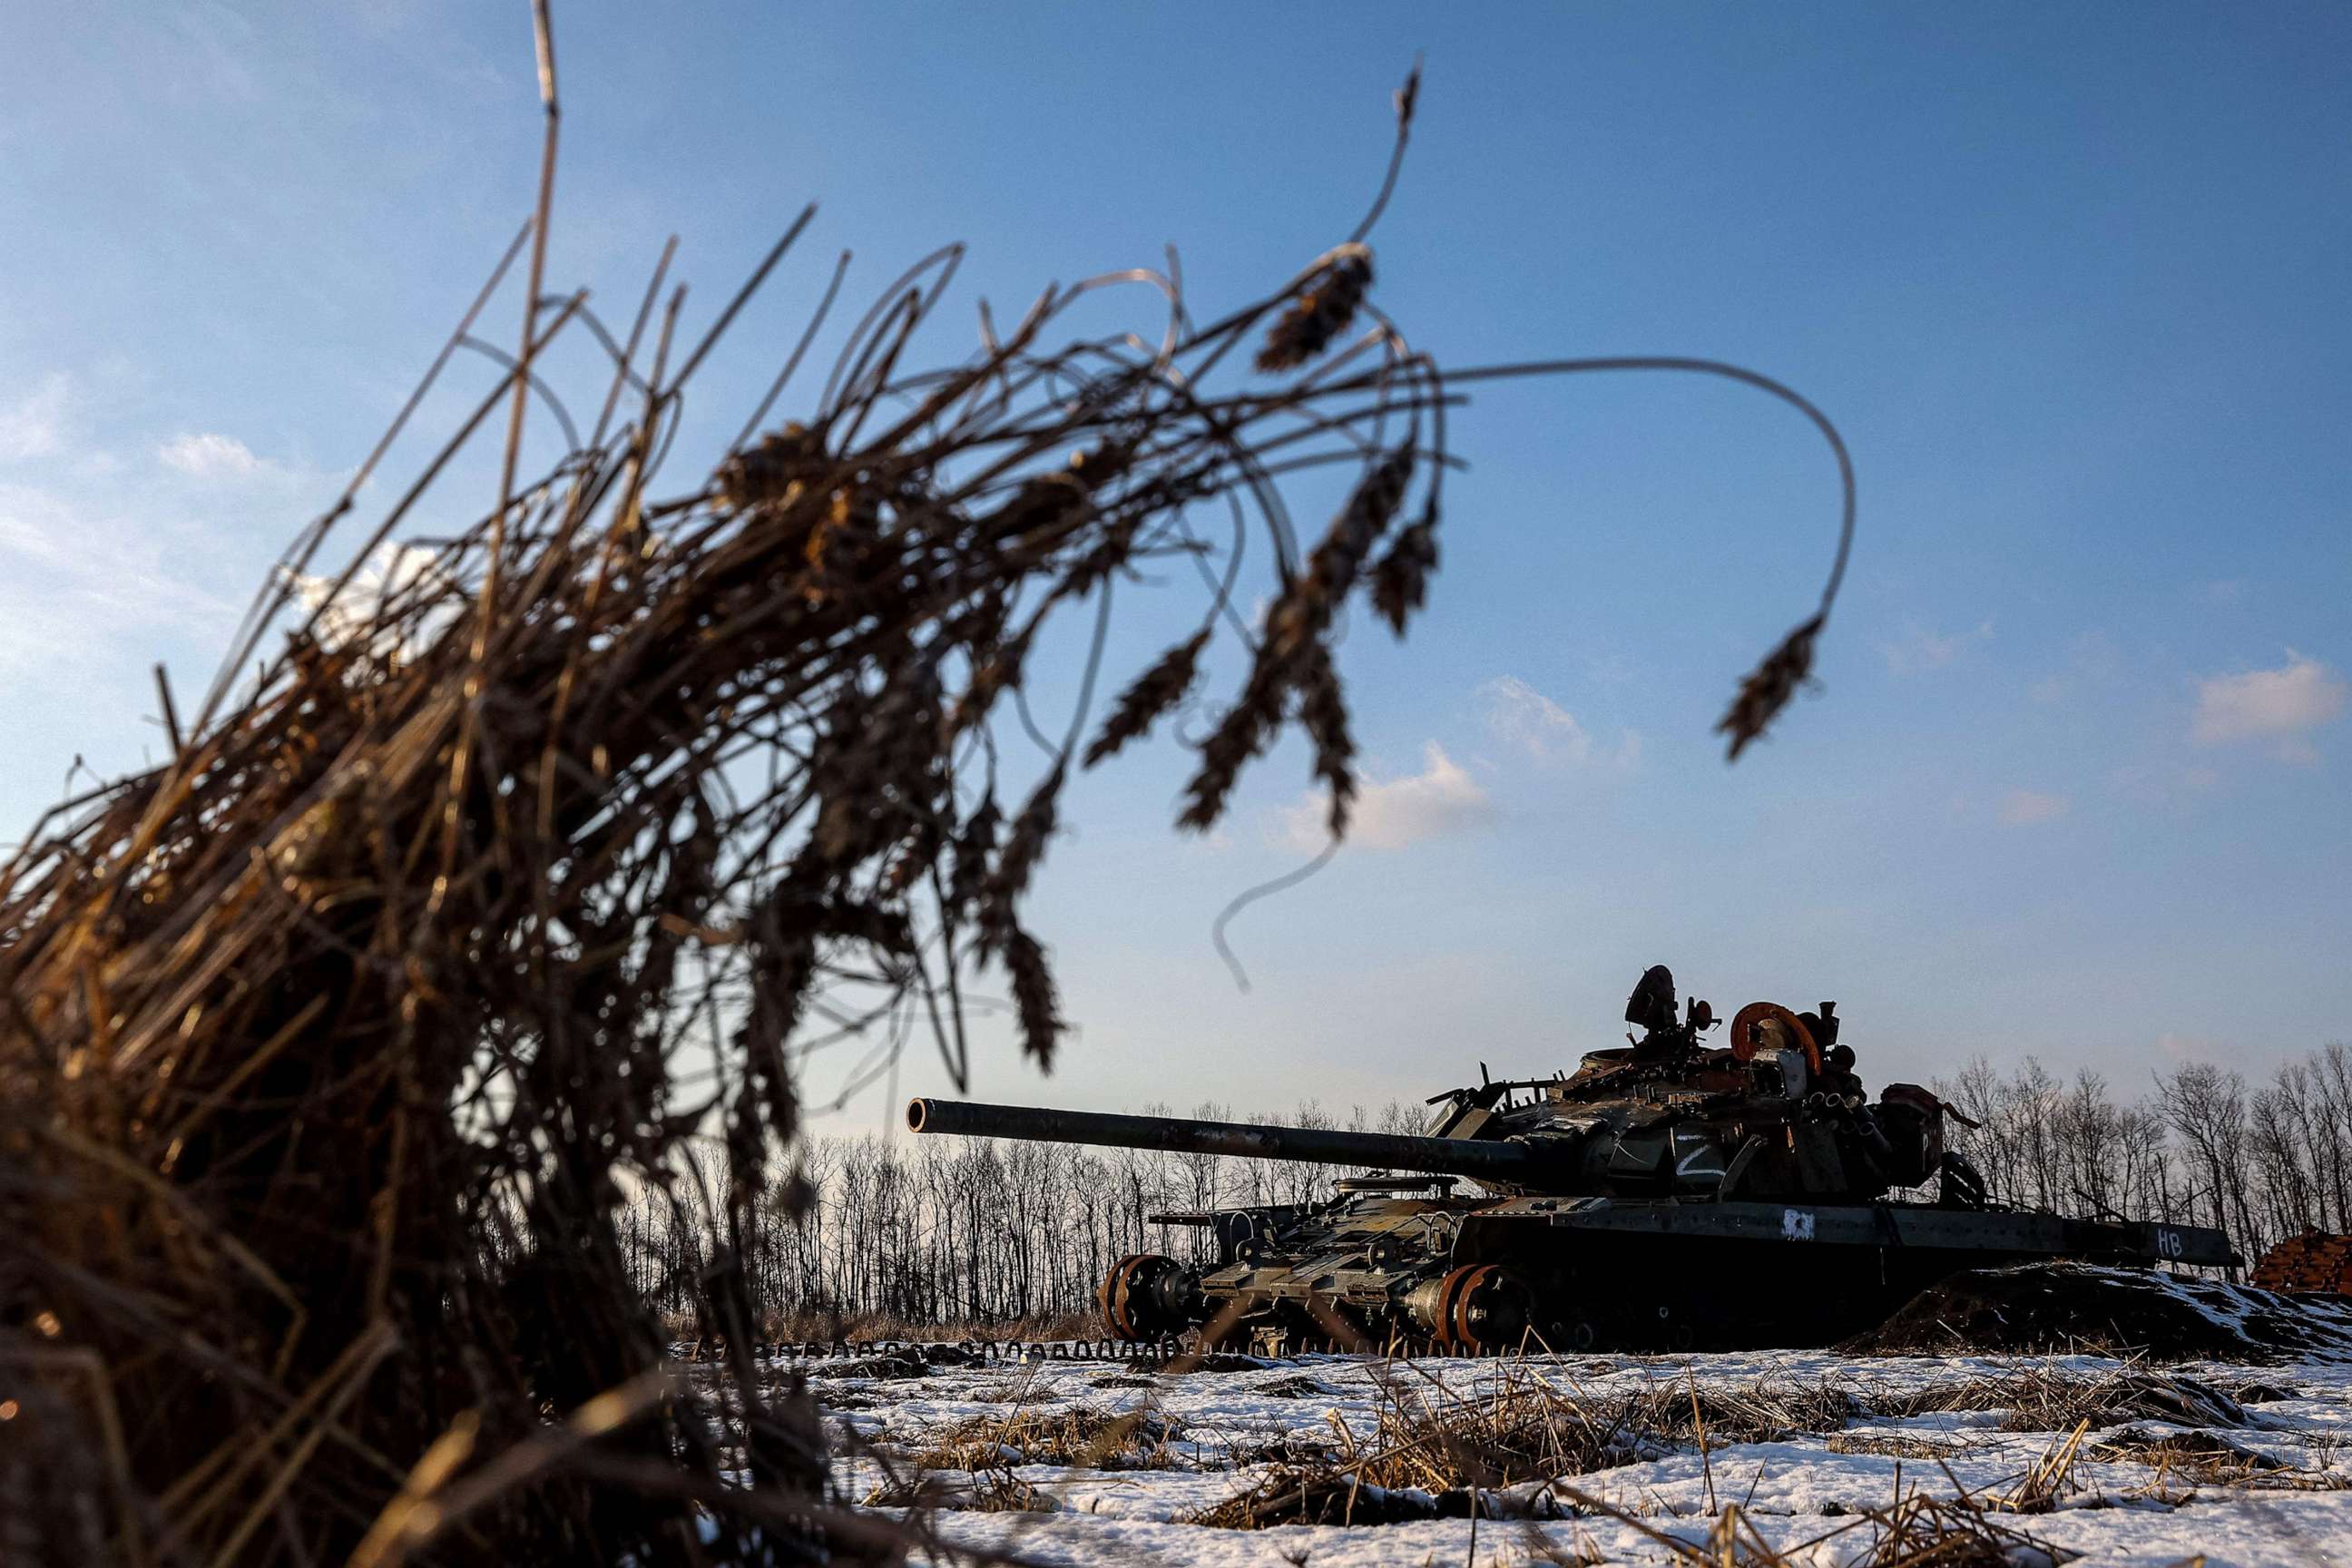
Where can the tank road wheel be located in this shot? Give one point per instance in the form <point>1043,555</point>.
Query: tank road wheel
<point>1110,1297</point>
<point>1440,1310</point>
<point>1141,1298</point>
<point>1482,1308</point>
<point>1493,1310</point>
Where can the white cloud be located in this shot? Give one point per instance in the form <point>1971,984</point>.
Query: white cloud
<point>99,558</point>
<point>2281,706</point>
<point>394,576</point>
<point>36,527</point>
<point>1519,716</point>
<point>2027,807</point>
<point>78,579</point>
<point>31,425</point>
<point>210,456</point>
<point>1390,814</point>
<point>116,548</point>
<point>1920,649</point>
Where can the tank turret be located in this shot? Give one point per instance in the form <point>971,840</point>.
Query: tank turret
<point>1758,1119</point>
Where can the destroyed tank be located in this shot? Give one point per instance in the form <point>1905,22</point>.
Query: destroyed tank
<point>1667,1193</point>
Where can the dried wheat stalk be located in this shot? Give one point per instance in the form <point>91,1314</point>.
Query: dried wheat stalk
<point>327,1047</point>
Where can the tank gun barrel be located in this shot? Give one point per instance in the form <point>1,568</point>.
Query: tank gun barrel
<point>1184,1135</point>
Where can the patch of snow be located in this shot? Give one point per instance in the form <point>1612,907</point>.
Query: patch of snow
<point>1808,1486</point>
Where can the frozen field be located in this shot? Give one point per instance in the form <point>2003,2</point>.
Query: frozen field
<point>1599,1460</point>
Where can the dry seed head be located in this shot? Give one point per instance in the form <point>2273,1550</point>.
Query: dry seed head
<point>783,963</point>
<point>1769,687</point>
<point>1295,628</point>
<point>1320,311</point>
<point>997,670</point>
<point>1033,996</point>
<point>973,848</point>
<point>873,925</point>
<point>1240,735</point>
<point>1323,714</point>
<point>1305,610</point>
<point>1047,508</point>
<point>768,469</point>
<point>1114,548</point>
<point>1370,509</point>
<point>1400,577</point>
<point>838,544</point>
<point>918,849</point>
<point>1018,862</point>
<point>1153,693</point>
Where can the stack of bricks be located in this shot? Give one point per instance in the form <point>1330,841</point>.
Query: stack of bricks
<point>2314,1261</point>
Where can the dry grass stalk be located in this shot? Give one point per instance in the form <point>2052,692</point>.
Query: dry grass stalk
<point>2051,1399</point>
<point>2037,1491</point>
<point>1081,1437</point>
<point>1898,1445</point>
<point>1502,1449</point>
<point>1916,1531</point>
<point>991,1490</point>
<point>2205,1459</point>
<point>1762,1412</point>
<point>1509,1452</point>
<point>327,1046</point>
<point>343,1021</point>
<point>1924,1532</point>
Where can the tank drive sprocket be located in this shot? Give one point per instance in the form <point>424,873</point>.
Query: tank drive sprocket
<point>1146,1295</point>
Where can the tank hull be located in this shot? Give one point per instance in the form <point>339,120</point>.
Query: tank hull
<point>1586,1273</point>
<point>1667,1193</point>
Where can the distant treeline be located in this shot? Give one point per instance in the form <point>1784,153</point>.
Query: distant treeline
<point>2262,1162</point>
<point>968,1231</point>
<point>954,1231</point>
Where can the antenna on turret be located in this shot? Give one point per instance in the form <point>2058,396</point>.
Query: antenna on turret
<point>1483,1080</point>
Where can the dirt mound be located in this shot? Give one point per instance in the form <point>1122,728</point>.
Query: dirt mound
<point>898,1363</point>
<point>1317,1497</point>
<point>1296,1387</point>
<point>2044,1307</point>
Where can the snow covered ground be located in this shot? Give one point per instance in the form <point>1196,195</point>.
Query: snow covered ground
<point>2101,1462</point>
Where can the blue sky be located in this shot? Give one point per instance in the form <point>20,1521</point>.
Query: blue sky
<point>2072,278</point>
